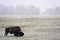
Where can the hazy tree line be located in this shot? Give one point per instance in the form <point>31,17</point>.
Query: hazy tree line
<point>53,11</point>
<point>19,10</point>
<point>27,10</point>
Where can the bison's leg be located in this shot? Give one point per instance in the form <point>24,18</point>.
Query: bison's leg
<point>16,34</point>
<point>7,31</point>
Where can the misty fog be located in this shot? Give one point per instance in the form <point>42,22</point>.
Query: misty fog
<point>52,11</point>
<point>31,10</point>
<point>19,10</point>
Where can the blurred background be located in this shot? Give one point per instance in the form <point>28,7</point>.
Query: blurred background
<point>29,8</point>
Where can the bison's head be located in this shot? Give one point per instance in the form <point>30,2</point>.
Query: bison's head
<point>21,33</point>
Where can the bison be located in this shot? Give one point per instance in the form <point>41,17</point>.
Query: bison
<point>16,30</point>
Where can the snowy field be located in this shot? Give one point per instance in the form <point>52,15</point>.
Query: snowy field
<point>34,28</point>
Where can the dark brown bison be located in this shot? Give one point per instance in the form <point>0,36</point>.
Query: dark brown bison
<point>16,30</point>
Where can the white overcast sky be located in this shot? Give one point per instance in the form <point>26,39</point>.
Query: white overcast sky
<point>42,4</point>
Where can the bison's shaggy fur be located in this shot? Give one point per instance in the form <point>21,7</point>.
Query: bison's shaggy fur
<point>16,30</point>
